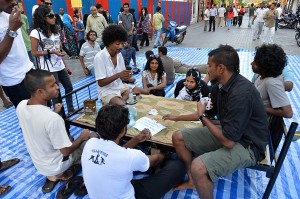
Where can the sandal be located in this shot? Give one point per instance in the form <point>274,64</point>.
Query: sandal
<point>81,191</point>
<point>4,190</point>
<point>75,168</point>
<point>49,185</point>
<point>8,105</point>
<point>8,163</point>
<point>70,187</point>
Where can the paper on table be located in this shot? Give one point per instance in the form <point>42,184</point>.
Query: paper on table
<point>150,124</point>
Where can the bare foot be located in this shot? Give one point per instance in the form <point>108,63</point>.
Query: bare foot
<point>185,185</point>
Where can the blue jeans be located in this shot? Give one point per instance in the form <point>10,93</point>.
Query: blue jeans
<point>32,58</point>
<point>229,22</point>
<point>157,34</point>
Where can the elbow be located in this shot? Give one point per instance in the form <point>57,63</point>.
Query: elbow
<point>229,144</point>
<point>34,53</point>
<point>288,114</point>
<point>101,83</point>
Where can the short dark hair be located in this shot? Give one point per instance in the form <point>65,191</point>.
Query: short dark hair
<point>271,58</point>
<point>273,4</point>
<point>76,16</point>
<point>88,34</point>
<point>163,50</point>
<point>98,6</point>
<point>126,4</point>
<point>110,121</point>
<point>158,9</point>
<point>148,53</point>
<point>278,5</point>
<point>35,79</point>
<point>227,56</point>
<point>113,33</point>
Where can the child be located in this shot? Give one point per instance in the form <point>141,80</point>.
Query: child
<point>80,31</point>
<point>154,77</point>
<point>192,88</point>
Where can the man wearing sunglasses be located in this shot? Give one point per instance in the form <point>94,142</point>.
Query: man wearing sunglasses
<point>14,60</point>
<point>43,2</point>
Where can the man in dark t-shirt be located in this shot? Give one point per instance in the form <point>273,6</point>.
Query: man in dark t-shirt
<point>251,15</point>
<point>241,137</point>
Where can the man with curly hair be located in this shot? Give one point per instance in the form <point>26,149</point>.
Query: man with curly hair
<point>269,62</point>
<point>110,68</point>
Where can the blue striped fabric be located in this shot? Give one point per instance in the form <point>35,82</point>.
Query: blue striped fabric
<point>26,182</point>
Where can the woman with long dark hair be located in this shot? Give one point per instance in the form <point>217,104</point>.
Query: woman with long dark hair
<point>144,23</point>
<point>46,45</point>
<point>154,77</point>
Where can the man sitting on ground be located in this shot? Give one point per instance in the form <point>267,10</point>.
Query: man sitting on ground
<point>110,68</point>
<point>87,53</point>
<point>240,140</point>
<point>269,62</point>
<point>44,131</point>
<point>148,53</point>
<point>168,64</point>
<point>108,168</point>
<point>128,53</point>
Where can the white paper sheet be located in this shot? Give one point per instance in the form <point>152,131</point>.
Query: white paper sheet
<point>150,124</point>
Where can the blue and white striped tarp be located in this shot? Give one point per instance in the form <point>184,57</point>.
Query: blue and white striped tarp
<point>26,182</point>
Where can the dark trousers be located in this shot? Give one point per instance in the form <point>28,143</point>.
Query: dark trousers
<point>80,43</point>
<point>212,21</point>
<point>276,24</point>
<point>16,93</point>
<point>156,185</point>
<point>63,77</point>
<point>161,92</point>
<point>235,21</point>
<point>145,38</point>
<point>240,19</point>
<point>66,50</point>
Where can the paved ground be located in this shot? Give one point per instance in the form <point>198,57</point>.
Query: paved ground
<point>196,37</point>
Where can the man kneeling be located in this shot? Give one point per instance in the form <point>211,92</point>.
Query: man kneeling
<point>44,131</point>
<point>108,168</point>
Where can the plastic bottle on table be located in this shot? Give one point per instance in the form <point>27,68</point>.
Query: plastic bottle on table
<point>131,99</point>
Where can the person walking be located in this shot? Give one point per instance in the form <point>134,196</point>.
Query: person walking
<point>158,18</point>
<point>240,16</point>
<point>279,10</point>
<point>126,20</point>
<point>221,15</point>
<point>235,16</point>
<point>258,21</point>
<point>251,15</point>
<point>269,30</point>
<point>206,18</point>
<point>212,18</point>
<point>144,23</point>
<point>79,28</point>
<point>230,16</point>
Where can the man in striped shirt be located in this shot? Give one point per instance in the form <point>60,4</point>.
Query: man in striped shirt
<point>87,53</point>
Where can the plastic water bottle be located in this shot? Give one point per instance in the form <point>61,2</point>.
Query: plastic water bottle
<point>208,102</point>
<point>131,99</point>
<point>131,122</point>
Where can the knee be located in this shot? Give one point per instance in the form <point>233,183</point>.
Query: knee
<point>177,138</point>
<point>198,169</point>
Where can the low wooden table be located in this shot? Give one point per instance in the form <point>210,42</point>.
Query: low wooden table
<point>144,105</point>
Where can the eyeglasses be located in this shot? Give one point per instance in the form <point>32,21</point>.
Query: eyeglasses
<point>50,15</point>
<point>48,4</point>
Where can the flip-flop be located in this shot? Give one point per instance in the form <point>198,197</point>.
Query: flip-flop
<point>4,190</point>
<point>49,185</point>
<point>81,191</point>
<point>70,187</point>
<point>8,163</point>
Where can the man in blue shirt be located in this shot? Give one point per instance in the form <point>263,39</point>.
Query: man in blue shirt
<point>128,53</point>
<point>80,31</point>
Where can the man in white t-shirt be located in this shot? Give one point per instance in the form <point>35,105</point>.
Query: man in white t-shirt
<point>43,2</point>
<point>206,18</point>
<point>221,12</point>
<point>110,68</point>
<point>14,60</point>
<point>108,168</point>
<point>279,11</point>
<point>47,142</point>
<point>258,21</point>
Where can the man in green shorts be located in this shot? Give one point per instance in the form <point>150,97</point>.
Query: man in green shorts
<point>238,140</point>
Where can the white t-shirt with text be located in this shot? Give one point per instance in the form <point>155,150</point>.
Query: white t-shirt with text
<point>108,169</point>
<point>52,43</point>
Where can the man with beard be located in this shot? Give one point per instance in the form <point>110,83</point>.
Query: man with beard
<point>14,60</point>
<point>87,53</point>
<point>128,53</point>
<point>241,138</point>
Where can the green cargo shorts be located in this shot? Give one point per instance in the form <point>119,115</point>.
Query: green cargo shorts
<point>218,160</point>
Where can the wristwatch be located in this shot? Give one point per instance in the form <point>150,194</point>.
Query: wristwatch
<point>202,116</point>
<point>11,33</point>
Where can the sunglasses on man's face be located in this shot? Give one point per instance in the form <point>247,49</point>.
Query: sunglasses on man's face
<point>50,16</point>
<point>48,4</point>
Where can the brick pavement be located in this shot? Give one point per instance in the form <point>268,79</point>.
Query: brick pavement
<point>196,37</point>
